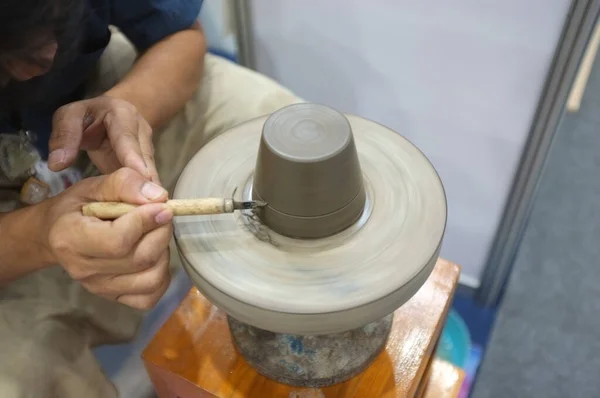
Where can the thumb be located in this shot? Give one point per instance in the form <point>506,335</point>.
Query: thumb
<point>67,130</point>
<point>137,223</point>
<point>128,186</point>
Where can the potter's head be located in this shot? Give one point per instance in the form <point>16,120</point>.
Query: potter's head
<point>37,38</point>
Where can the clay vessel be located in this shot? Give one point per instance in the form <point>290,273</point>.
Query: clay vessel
<point>308,172</point>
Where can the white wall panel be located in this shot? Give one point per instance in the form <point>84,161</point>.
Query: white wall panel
<point>460,78</point>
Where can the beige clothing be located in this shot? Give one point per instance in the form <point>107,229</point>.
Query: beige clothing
<point>48,323</point>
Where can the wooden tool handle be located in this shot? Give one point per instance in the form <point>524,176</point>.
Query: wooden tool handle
<point>180,207</point>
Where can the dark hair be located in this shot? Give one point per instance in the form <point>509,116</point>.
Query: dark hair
<point>28,25</point>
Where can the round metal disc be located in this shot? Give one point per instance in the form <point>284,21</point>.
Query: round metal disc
<point>313,286</point>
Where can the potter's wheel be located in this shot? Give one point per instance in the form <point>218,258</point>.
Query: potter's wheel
<point>313,286</point>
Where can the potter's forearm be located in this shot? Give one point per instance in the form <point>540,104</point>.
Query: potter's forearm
<point>165,77</point>
<point>22,250</point>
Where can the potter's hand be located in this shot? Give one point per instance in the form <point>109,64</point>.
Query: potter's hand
<point>111,130</point>
<point>126,259</point>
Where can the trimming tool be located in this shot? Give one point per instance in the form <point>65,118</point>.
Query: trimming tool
<point>180,207</point>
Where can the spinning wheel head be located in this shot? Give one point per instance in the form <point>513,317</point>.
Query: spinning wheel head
<point>371,202</point>
<point>308,172</point>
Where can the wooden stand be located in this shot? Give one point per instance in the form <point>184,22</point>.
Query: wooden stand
<point>192,355</point>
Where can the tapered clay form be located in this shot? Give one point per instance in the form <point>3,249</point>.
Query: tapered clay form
<point>308,172</point>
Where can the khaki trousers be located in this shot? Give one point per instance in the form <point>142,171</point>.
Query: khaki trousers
<point>48,323</point>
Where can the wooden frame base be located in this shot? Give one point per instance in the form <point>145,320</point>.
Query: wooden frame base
<point>193,356</point>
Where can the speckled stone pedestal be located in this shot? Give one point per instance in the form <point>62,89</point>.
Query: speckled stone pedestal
<point>310,361</point>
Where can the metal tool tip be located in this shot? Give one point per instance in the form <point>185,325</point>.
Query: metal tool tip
<point>249,205</point>
<point>260,203</point>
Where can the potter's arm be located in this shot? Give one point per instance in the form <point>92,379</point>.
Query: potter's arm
<point>21,244</point>
<point>165,77</point>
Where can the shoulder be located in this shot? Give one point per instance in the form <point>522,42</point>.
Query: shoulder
<point>146,22</point>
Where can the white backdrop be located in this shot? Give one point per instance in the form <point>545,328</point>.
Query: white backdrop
<point>216,18</point>
<point>460,79</point>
